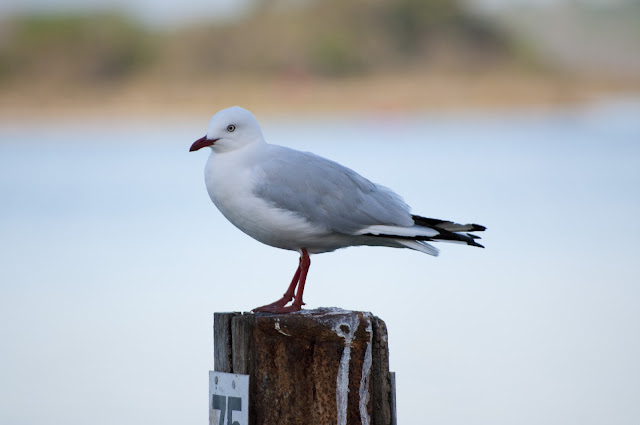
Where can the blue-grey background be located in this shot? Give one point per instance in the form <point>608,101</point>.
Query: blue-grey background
<point>113,259</point>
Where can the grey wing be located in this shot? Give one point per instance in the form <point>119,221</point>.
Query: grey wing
<point>327,193</point>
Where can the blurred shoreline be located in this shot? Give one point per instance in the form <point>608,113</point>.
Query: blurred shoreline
<point>329,56</point>
<point>447,92</point>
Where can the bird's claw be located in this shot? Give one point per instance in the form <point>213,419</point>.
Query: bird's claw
<point>278,308</point>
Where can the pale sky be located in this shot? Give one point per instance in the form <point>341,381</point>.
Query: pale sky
<point>168,11</point>
<point>113,260</point>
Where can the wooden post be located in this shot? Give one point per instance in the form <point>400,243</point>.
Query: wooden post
<point>320,367</point>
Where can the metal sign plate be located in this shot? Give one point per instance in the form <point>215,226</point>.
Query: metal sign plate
<point>228,399</point>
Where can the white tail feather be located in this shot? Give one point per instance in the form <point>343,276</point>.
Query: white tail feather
<point>409,232</point>
<point>421,246</point>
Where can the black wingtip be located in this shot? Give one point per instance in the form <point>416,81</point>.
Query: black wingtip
<point>447,225</point>
<point>478,228</point>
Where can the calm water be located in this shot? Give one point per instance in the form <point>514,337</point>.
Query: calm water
<point>113,259</point>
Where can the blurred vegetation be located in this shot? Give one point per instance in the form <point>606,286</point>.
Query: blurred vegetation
<point>330,38</point>
<point>98,47</point>
<point>324,52</point>
<point>581,36</point>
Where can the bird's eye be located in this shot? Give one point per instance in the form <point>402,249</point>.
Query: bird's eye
<point>230,128</point>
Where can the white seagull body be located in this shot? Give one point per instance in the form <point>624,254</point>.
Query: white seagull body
<point>302,202</point>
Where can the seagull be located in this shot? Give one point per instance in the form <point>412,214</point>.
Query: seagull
<point>303,202</point>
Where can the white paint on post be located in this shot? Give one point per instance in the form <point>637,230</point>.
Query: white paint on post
<point>277,326</point>
<point>344,330</point>
<point>366,376</point>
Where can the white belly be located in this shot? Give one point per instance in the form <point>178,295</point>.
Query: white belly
<point>231,191</point>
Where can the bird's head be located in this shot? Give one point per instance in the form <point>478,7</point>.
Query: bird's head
<point>230,129</point>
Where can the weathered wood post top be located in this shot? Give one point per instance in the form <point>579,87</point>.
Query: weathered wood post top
<point>313,367</point>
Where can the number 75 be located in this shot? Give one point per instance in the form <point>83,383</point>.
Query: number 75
<point>222,403</point>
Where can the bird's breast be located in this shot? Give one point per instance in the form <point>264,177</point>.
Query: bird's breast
<point>230,186</point>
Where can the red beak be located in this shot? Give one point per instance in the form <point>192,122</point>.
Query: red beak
<point>202,142</point>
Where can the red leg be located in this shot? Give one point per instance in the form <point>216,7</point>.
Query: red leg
<point>305,262</point>
<point>288,296</point>
<point>298,280</point>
